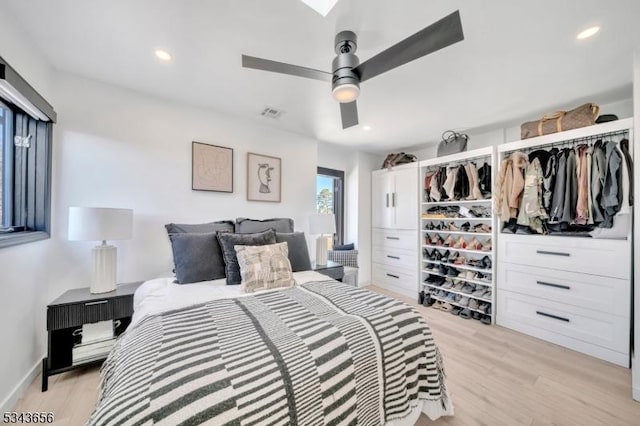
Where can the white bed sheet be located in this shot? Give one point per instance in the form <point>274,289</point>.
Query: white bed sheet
<point>163,294</point>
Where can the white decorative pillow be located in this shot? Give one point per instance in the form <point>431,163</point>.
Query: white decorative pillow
<point>264,267</point>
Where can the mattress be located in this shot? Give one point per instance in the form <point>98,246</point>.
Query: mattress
<point>319,353</point>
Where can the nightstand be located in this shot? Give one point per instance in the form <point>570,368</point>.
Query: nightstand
<point>331,269</point>
<point>68,313</point>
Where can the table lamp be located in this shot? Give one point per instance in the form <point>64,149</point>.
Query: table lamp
<point>101,224</point>
<point>321,224</point>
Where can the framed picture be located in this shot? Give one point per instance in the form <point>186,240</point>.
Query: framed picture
<point>264,178</point>
<point>211,167</point>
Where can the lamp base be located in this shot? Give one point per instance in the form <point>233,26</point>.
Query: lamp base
<point>322,248</point>
<point>105,263</point>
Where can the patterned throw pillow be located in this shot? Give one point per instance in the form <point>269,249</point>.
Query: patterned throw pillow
<point>264,267</point>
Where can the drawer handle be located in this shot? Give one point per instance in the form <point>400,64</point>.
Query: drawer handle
<point>393,276</point>
<point>553,253</point>
<point>393,257</point>
<point>101,302</point>
<point>544,314</point>
<point>393,238</point>
<point>565,287</point>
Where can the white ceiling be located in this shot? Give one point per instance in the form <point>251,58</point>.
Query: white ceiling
<point>517,58</point>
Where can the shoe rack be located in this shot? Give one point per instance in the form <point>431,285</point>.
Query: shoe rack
<point>457,266</point>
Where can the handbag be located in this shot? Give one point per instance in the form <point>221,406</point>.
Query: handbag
<point>452,143</point>
<point>584,115</point>
<point>395,159</point>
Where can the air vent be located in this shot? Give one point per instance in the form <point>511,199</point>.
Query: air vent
<point>271,112</point>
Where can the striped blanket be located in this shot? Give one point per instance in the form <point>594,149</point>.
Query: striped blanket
<point>320,353</point>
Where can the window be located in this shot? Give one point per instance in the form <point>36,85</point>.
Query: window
<point>26,122</point>
<point>330,198</point>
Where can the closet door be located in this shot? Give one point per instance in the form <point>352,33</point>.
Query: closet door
<point>381,189</point>
<point>404,199</point>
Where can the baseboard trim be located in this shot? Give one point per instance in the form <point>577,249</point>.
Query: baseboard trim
<point>19,389</point>
<point>364,284</point>
<point>636,393</point>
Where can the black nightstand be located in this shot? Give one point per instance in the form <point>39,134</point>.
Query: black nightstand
<point>70,311</point>
<point>331,269</point>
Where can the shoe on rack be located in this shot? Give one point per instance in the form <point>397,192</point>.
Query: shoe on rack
<point>457,286</point>
<point>443,269</point>
<point>465,313</point>
<point>420,297</point>
<point>447,307</point>
<point>437,305</point>
<point>487,294</point>
<point>452,272</point>
<point>429,226</point>
<point>487,246</point>
<point>453,227</point>
<point>452,258</point>
<point>465,227</point>
<point>456,310</point>
<point>474,245</point>
<point>486,319</point>
<point>449,242</point>
<point>430,266</point>
<point>483,307</point>
<point>510,227</point>
<point>464,301</point>
<point>436,240</point>
<point>451,298</point>
<point>468,288</point>
<point>448,283</point>
<point>441,294</point>
<point>445,257</point>
<point>484,228</point>
<point>486,262</point>
<point>523,230</point>
<point>460,260</point>
<point>480,290</point>
<point>460,244</point>
<point>473,304</point>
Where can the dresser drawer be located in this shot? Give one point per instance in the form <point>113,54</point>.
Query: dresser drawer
<point>545,317</point>
<point>608,258</point>
<point>604,294</point>
<point>401,280</point>
<point>76,314</point>
<point>407,240</point>
<point>395,257</point>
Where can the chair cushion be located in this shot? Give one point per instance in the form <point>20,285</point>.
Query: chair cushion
<point>228,243</point>
<point>197,257</point>
<point>264,267</point>
<point>298,250</point>
<point>247,226</point>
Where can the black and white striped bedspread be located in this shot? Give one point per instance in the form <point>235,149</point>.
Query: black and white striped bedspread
<point>320,353</point>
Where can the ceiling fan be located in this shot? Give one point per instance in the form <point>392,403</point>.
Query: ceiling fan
<point>348,72</point>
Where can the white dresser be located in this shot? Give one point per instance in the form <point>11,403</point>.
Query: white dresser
<point>575,292</point>
<point>394,213</point>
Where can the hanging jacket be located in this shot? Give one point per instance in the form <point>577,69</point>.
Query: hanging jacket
<point>461,188</point>
<point>450,183</point>
<point>570,188</point>
<point>549,179</point>
<point>484,180</point>
<point>624,147</point>
<point>474,182</point>
<point>532,213</point>
<point>589,193</point>
<point>557,203</point>
<point>510,186</point>
<point>582,205</point>
<point>612,189</point>
<point>434,187</point>
<point>598,169</point>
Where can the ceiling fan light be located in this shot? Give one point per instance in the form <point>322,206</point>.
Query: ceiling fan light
<point>346,93</point>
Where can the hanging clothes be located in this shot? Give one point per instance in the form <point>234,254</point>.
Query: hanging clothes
<point>532,212</point>
<point>511,185</point>
<point>611,190</point>
<point>474,182</point>
<point>598,169</point>
<point>570,188</point>
<point>461,188</point>
<point>557,203</point>
<point>582,205</point>
<point>434,187</point>
<point>450,183</point>
<point>549,179</point>
<point>624,147</point>
<point>484,180</point>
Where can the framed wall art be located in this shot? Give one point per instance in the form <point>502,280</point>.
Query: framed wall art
<point>211,167</point>
<point>264,178</point>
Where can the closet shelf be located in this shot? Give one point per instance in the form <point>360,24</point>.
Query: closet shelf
<point>458,305</point>
<point>438,231</point>
<point>448,290</point>
<point>467,280</point>
<point>456,202</point>
<point>486,253</point>
<point>466,219</point>
<point>464,267</point>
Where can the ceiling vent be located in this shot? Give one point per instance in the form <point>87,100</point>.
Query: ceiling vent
<point>271,112</point>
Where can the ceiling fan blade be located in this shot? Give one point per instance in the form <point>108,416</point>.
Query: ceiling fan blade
<point>349,114</point>
<point>284,68</point>
<point>439,35</point>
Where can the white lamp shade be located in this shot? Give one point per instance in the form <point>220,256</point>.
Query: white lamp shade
<point>99,224</point>
<point>322,224</point>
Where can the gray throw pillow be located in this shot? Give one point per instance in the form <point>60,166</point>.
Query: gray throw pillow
<point>200,228</point>
<point>197,257</point>
<point>247,226</point>
<point>298,251</point>
<point>229,241</point>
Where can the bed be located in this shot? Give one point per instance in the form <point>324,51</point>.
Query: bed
<point>321,352</point>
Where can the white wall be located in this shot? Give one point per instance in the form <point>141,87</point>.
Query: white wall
<point>636,351</point>
<point>23,277</point>
<point>117,148</point>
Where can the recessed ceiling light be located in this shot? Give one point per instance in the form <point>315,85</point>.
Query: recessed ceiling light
<point>366,128</point>
<point>589,32</point>
<point>163,55</point>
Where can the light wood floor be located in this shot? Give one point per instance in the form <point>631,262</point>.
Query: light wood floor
<point>495,377</point>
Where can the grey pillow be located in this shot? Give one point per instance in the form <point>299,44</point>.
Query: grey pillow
<point>197,257</point>
<point>298,251</point>
<point>247,226</point>
<point>200,228</point>
<point>229,241</point>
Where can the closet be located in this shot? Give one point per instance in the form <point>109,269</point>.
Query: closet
<point>564,274</point>
<point>457,234</point>
<point>394,212</point>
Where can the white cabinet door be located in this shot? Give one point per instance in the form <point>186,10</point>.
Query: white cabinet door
<point>404,199</point>
<point>381,189</point>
